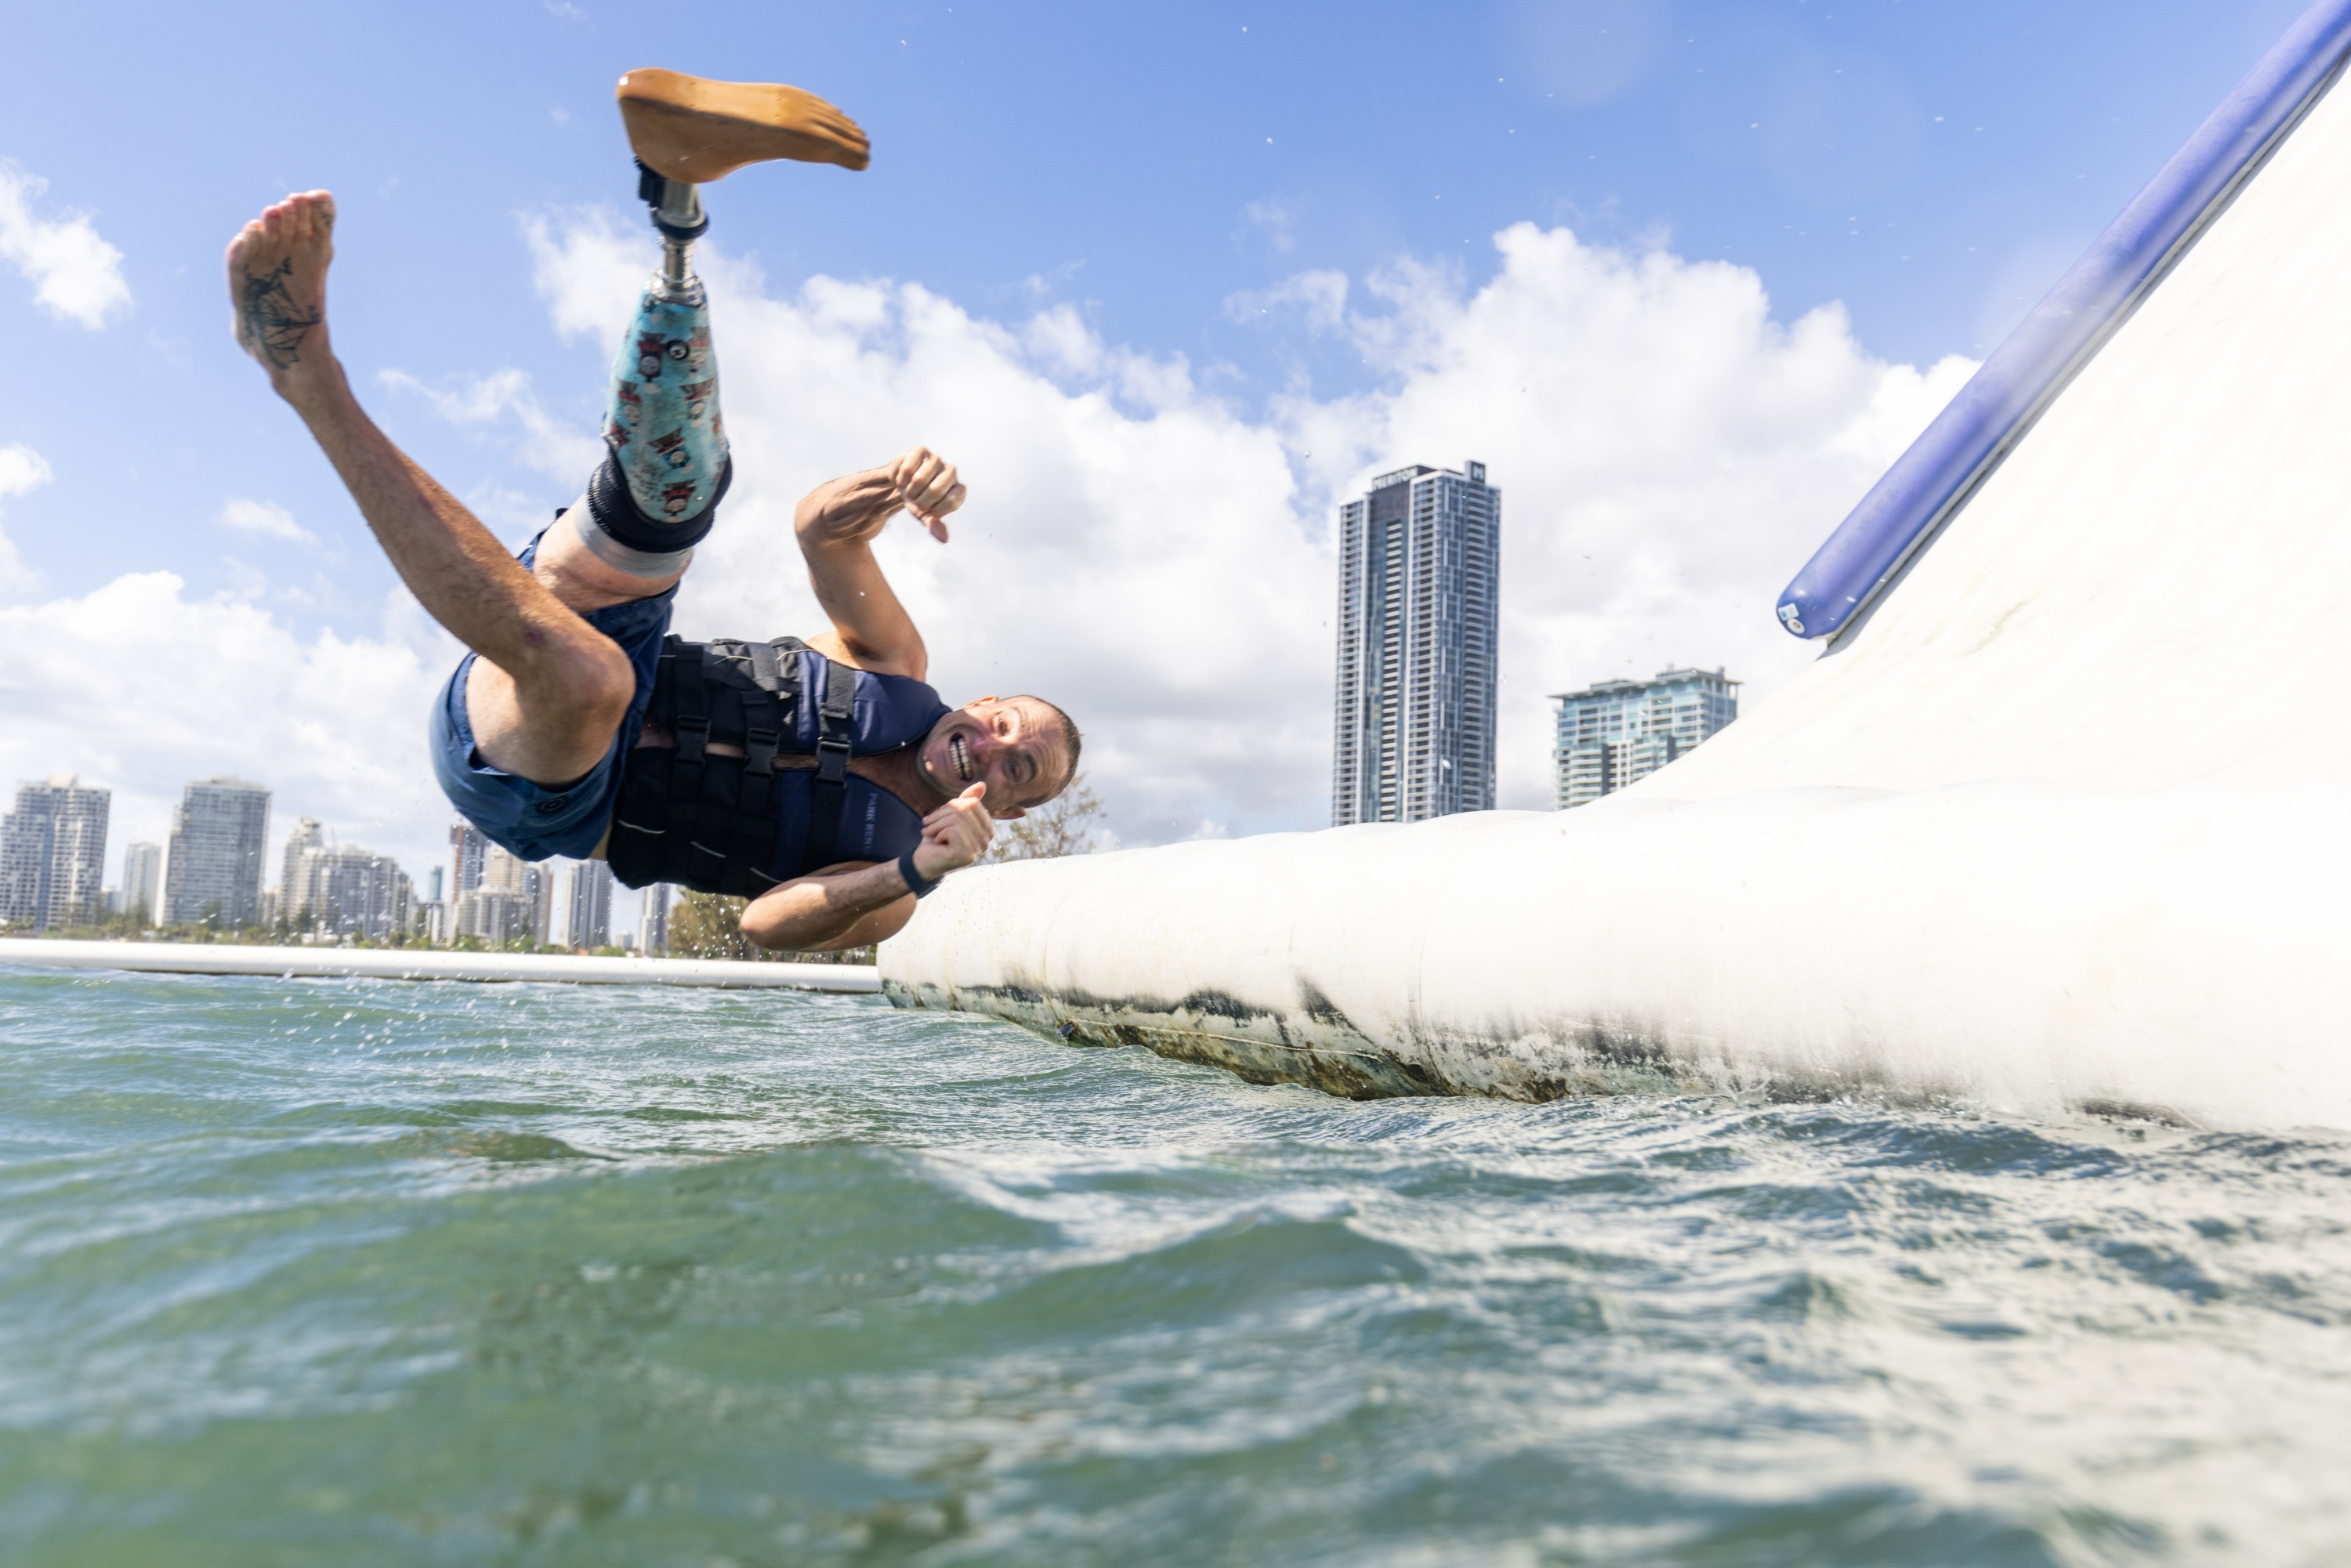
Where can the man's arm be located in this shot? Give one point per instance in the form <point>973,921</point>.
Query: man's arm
<point>851,905</point>
<point>837,524</point>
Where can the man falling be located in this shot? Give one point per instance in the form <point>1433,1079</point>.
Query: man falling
<point>823,779</point>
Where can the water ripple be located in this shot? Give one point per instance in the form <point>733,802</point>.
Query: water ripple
<point>354,1272</point>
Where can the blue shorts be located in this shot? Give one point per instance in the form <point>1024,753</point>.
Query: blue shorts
<point>524,819</point>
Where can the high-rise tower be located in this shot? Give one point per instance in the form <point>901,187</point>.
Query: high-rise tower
<point>587,904</point>
<point>213,870</point>
<point>53,854</point>
<point>653,920</point>
<point>143,882</point>
<point>1419,558</point>
<point>296,884</point>
<point>467,849</point>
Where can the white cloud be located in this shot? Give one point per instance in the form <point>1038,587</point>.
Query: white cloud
<point>589,269</point>
<point>74,272</point>
<point>264,518</point>
<point>1140,551</point>
<point>22,470</point>
<point>1668,453</point>
<point>1269,226</point>
<point>1317,300</point>
<point>1135,548</point>
<point>552,448</point>
<point>333,723</point>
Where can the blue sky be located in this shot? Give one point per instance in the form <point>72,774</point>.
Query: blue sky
<point>1147,170</point>
<point>1928,164</point>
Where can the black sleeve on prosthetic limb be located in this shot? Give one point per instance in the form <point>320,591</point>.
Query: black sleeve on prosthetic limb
<point>616,511</point>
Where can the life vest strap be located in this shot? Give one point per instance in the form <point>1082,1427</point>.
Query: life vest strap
<point>830,793</point>
<point>689,816</point>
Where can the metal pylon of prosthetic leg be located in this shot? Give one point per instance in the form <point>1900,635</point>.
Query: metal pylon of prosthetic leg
<point>677,214</point>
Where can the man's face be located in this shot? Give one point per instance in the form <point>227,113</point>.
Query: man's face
<point>1015,746</point>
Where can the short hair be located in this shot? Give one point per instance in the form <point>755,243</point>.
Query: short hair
<point>1069,733</point>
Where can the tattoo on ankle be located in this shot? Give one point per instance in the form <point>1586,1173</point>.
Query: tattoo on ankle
<point>271,322</point>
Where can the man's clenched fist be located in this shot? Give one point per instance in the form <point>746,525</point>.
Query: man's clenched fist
<point>955,835</point>
<point>853,510</point>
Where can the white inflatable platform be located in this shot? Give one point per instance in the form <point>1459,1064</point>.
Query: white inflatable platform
<point>2062,816</point>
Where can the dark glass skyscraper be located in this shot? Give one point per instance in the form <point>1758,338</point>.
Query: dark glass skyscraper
<point>1419,559</point>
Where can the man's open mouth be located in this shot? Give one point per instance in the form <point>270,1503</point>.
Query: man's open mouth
<point>960,756</point>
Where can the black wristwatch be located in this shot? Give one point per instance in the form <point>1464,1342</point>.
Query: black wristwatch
<point>916,883</point>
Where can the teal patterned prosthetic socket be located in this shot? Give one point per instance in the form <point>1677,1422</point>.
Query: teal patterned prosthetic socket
<point>665,468</point>
<point>663,423</point>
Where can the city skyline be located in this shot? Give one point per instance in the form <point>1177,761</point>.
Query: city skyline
<point>54,846</point>
<point>335,889</point>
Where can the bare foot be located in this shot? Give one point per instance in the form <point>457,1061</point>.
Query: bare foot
<point>278,286</point>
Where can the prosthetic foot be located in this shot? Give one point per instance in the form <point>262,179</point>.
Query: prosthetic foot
<point>689,130</point>
<point>694,131</point>
<point>655,496</point>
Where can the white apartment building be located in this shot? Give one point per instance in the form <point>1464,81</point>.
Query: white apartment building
<point>1611,732</point>
<point>53,854</point>
<point>342,891</point>
<point>510,903</point>
<point>142,881</point>
<point>213,870</point>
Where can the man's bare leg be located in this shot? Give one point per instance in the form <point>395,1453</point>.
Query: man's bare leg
<point>549,691</point>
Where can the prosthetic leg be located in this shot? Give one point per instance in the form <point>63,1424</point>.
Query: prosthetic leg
<point>656,494</point>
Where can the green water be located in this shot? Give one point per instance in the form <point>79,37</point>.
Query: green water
<point>352,1272</point>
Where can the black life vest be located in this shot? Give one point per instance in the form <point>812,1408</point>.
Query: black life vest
<point>741,824</point>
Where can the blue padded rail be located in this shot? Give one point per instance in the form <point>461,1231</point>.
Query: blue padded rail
<point>2033,364</point>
